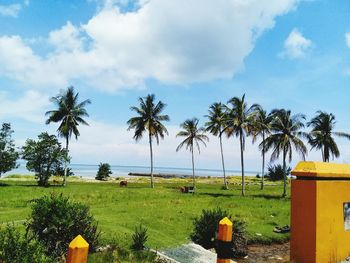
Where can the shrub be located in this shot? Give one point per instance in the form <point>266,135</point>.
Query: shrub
<point>15,248</point>
<point>206,227</point>
<point>275,172</point>
<point>139,238</point>
<point>104,170</point>
<point>56,221</point>
<point>8,153</point>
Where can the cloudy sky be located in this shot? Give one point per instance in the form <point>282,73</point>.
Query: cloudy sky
<point>190,53</point>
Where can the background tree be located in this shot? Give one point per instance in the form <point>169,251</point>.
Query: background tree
<point>8,153</point>
<point>261,127</point>
<point>149,120</point>
<point>285,135</point>
<point>104,170</point>
<point>216,126</point>
<point>321,135</point>
<point>193,136</point>
<point>240,122</point>
<point>70,113</point>
<point>43,156</point>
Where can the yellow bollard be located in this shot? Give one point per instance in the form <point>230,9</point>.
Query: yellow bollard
<point>78,250</point>
<point>224,237</point>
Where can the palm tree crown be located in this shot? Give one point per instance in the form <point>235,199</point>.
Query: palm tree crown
<point>149,120</point>
<point>193,136</point>
<point>285,135</point>
<point>70,113</point>
<point>216,126</point>
<point>321,135</point>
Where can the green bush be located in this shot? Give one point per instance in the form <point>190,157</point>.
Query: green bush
<point>139,238</point>
<point>56,221</point>
<point>16,248</point>
<point>104,170</point>
<point>206,227</point>
<point>275,172</point>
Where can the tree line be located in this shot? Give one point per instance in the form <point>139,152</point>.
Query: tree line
<point>278,131</point>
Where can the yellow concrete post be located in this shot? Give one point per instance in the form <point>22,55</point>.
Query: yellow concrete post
<point>320,213</point>
<point>78,250</point>
<point>225,235</point>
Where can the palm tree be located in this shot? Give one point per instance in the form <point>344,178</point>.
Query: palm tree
<point>261,128</point>
<point>193,136</point>
<point>149,119</point>
<point>285,135</point>
<point>321,135</point>
<point>240,123</point>
<point>69,113</point>
<point>216,126</point>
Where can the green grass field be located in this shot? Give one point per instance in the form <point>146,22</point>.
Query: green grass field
<point>167,213</point>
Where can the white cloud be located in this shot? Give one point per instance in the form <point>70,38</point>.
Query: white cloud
<point>29,107</point>
<point>174,42</point>
<point>10,10</point>
<point>296,45</point>
<point>347,39</point>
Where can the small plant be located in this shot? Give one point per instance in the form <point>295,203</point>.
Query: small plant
<point>104,171</point>
<point>275,172</point>
<point>56,221</point>
<point>16,248</point>
<point>139,238</point>
<point>206,228</point>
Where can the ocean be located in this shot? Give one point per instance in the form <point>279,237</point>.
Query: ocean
<point>90,170</point>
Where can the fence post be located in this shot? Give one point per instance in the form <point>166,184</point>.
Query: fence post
<point>224,241</point>
<point>78,250</point>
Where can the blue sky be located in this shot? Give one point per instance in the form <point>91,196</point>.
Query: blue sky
<point>290,54</point>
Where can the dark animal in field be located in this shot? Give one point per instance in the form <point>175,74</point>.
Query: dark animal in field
<point>123,183</point>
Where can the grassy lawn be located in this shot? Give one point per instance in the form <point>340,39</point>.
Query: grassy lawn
<point>167,213</point>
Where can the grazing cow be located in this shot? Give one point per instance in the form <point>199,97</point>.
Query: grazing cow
<point>123,183</point>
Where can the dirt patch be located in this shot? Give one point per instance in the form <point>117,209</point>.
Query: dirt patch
<point>267,253</point>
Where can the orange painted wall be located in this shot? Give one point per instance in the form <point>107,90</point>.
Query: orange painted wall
<point>333,242</point>
<point>303,221</point>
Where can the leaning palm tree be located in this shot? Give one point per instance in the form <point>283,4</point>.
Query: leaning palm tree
<point>216,126</point>
<point>193,136</point>
<point>69,113</point>
<point>321,135</point>
<point>149,120</point>
<point>285,135</point>
<point>261,127</point>
<point>240,119</point>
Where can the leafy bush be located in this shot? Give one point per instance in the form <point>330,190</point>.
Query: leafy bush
<point>104,170</point>
<point>275,172</point>
<point>8,153</point>
<point>43,156</point>
<point>15,248</point>
<point>56,221</point>
<point>206,227</point>
<point>139,238</point>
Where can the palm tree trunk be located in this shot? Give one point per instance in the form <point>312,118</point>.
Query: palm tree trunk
<point>66,163</point>
<point>263,162</point>
<point>242,161</point>
<point>284,173</point>
<point>193,178</point>
<point>151,151</point>
<point>223,163</point>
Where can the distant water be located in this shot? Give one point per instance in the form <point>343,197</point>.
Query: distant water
<point>90,170</point>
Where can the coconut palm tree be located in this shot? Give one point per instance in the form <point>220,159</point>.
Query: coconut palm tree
<point>193,136</point>
<point>216,126</point>
<point>285,135</point>
<point>261,128</point>
<point>321,135</point>
<point>149,119</point>
<point>70,113</point>
<point>240,123</point>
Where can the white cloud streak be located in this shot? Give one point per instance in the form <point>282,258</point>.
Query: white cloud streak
<point>10,10</point>
<point>296,45</point>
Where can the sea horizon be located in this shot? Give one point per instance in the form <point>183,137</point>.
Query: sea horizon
<point>89,170</point>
